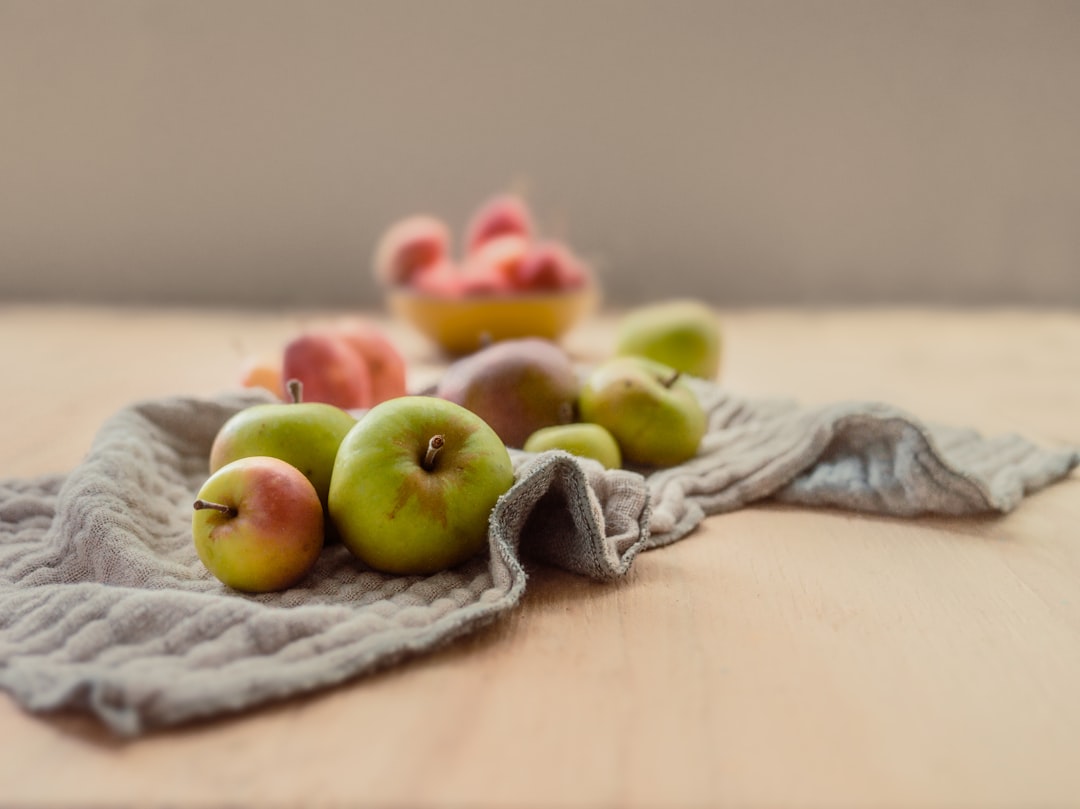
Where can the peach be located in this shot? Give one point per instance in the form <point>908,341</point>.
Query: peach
<point>262,372</point>
<point>495,265</point>
<point>329,369</point>
<point>501,215</point>
<point>442,281</point>
<point>385,363</point>
<point>408,247</point>
<point>483,283</point>
<point>550,266</point>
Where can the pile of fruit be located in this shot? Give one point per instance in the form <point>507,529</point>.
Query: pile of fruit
<point>503,254</point>
<point>352,364</point>
<point>506,281</point>
<point>634,409</point>
<point>407,488</point>
<point>407,482</point>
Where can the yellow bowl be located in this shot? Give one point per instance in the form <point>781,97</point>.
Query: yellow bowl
<point>463,325</point>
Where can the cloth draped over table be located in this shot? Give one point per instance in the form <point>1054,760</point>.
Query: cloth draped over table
<point>105,607</point>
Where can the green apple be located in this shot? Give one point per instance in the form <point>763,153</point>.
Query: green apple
<point>653,414</point>
<point>414,484</point>
<point>304,434</point>
<point>684,334</point>
<point>584,439</point>
<point>258,524</point>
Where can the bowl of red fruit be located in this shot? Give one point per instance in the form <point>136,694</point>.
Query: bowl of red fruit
<point>508,282</point>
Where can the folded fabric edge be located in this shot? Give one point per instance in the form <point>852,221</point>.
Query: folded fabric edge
<point>608,510</point>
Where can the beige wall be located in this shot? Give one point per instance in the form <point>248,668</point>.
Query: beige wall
<point>747,152</point>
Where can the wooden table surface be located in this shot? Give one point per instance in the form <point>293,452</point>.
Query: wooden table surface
<point>776,657</point>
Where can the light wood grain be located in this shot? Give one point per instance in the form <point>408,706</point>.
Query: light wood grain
<point>776,657</point>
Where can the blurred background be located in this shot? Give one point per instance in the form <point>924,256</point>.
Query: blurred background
<point>813,152</point>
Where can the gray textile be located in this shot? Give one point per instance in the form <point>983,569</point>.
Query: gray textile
<point>105,608</point>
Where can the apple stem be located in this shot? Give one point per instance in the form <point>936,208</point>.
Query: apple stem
<point>566,413</point>
<point>671,380</point>
<point>433,447</point>
<point>227,510</point>
<point>296,390</point>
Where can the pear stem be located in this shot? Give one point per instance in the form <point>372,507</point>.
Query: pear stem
<point>671,379</point>
<point>434,445</point>
<point>296,391</point>
<point>227,510</point>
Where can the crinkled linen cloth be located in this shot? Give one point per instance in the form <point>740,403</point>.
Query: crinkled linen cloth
<point>105,608</point>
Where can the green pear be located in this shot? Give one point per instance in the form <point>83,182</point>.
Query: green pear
<point>654,415</point>
<point>584,439</point>
<point>683,334</point>
<point>304,434</point>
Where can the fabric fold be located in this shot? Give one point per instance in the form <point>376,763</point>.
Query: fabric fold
<point>862,456</point>
<point>105,608</point>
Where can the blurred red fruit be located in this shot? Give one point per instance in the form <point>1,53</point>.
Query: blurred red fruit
<point>495,265</point>
<point>502,215</point>
<point>262,372</point>
<point>442,280</point>
<point>483,283</point>
<point>550,266</point>
<point>409,247</point>
<point>329,369</point>
<point>385,364</point>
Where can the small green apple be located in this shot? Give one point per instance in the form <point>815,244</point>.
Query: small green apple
<point>684,334</point>
<point>584,439</point>
<point>258,524</point>
<point>414,484</point>
<point>653,414</point>
<point>304,434</point>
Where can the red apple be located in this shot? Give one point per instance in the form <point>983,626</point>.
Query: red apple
<point>258,525</point>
